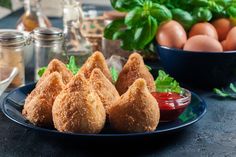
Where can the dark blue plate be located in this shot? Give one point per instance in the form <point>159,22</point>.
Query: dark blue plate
<point>13,103</point>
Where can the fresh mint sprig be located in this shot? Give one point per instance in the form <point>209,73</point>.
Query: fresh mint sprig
<point>165,83</point>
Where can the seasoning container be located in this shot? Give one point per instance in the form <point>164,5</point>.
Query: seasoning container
<point>48,44</point>
<point>12,44</point>
<point>75,43</point>
<point>112,47</point>
<point>33,17</point>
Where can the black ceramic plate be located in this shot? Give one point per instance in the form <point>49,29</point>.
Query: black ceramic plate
<point>13,103</point>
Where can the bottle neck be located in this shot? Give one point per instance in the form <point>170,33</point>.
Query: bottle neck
<point>32,5</point>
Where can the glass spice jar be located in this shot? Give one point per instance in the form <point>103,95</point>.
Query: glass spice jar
<point>33,17</point>
<point>75,43</point>
<point>12,44</point>
<point>48,44</point>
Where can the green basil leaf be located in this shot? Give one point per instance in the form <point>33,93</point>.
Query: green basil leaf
<point>133,17</point>
<point>6,4</point>
<point>199,3</point>
<point>145,33</point>
<point>214,7</point>
<point>202,14</point>
<point>160,12</point>
<point>112,28</point>
<point>125,5</point>
<point>232,11</point>
<point>183,17</point>
<point>127,38</point>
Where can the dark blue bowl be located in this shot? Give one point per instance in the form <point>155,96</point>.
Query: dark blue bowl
<point>199,69</point>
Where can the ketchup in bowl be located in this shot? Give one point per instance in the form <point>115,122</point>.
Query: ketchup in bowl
<point>172,104</point>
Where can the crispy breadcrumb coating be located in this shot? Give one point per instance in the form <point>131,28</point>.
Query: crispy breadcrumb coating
<point>38,104</point>
<point>58,66</point>
<point>96,60</point>
<point>78,108</point>
<point>104,88</point>
<point>132,70</point>
<point>136,110</point>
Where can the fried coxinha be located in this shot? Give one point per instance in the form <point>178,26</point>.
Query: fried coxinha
<point>82,103</point>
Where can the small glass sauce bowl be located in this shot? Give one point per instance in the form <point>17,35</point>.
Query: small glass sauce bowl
<point>172,104</point>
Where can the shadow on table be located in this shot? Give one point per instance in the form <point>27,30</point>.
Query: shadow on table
<point>118,147</point>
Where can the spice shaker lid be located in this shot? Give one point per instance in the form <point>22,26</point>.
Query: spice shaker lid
<point>48,34</point>
<point>12,38</point>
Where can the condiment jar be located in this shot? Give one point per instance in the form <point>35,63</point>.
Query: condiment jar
<point>12,45</point>
<point>48,44</point>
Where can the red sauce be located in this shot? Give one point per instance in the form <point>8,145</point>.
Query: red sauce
<point>170,109</point>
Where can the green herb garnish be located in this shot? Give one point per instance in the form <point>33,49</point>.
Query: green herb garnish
<point>149,68</point>
<point>114,74</point>
<point>165,83</point>
<point>72,66</point>
<point>221,93</point>
<point>226,94</point>
<point>41,71</point>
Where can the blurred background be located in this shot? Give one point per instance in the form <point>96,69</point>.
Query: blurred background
<point>51,8</point>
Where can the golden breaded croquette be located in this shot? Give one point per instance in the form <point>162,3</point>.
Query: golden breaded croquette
<point>104,88</point>
<point>78,108</point>
<point>132,70</point>
<point>58,66</point>
<point>136,110</point>
<point>38,104</point>
<point>96,60</point>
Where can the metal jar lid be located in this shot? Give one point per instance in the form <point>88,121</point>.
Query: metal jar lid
<point>12,38</point>
<point>47,34</point>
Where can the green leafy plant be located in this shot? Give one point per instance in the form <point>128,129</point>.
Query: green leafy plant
<point>231,93</point>
<point>165,83</point>
<point>139,26</point>
<point>6,4</point>
<point>137,30</point>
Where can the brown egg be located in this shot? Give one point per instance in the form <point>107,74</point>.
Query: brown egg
<point>222,27</point>
<point>230,42</point>
<point>203,43</point>
<point>223,44</point>
<point>171,34</point>
<point>204,28</point>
